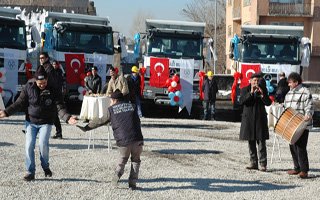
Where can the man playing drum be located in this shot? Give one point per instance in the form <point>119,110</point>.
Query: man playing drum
<point>300,99</point>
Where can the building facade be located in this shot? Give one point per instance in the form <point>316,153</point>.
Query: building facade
<point>76,6</point>
<point>278,12</point>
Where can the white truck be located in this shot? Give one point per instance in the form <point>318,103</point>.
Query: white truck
<point>176,41</point>
<point>13,52</point>
<point>269,49</point>
<point>88,38</point>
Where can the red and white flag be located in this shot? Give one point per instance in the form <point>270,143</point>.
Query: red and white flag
<point>247,70</point>
<point>74,67</point>
<point>159,72</point>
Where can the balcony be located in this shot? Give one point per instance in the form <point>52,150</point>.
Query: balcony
<point>290,9</point>
<point>236,13</point>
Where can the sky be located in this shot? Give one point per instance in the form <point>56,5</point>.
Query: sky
<point>122,12</point>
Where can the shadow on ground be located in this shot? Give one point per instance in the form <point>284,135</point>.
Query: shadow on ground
<point>218,185</point>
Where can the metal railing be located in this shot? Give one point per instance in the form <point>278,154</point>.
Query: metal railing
<point>289,8</point>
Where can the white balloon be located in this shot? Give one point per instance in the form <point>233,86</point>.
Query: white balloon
<point>174,84</point>
<point>3,79</point>
<point>80,89</point>
<point>80,97</point>
<point>3,70</point>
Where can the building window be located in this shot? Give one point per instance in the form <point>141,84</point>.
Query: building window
<point>229,31</point>
<point>246,2</point>
<point>287,23</point>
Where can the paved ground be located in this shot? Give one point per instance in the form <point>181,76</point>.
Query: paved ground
<point>182,159</point>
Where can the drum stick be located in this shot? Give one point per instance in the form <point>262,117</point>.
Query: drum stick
<point>274,115</point>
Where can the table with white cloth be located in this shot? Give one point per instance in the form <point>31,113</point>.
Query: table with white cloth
<point>274,112</point>
<point>95,108</point>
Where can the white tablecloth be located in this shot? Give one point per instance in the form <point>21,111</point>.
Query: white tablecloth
<point>94,107</point>
<point>274,111</point>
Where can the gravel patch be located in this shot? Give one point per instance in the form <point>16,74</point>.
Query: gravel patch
<point>182,159</point>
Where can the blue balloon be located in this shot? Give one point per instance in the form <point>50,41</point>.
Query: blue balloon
<point>172,102</point>
<point>179,94</point>
<point>171,95</point>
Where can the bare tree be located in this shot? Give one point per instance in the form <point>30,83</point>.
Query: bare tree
<point>204,11</point>
<point>138,24</point>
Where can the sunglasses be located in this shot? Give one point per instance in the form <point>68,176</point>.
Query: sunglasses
<point>42,57</point>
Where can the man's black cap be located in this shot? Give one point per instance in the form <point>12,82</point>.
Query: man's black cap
<point>117,94</point>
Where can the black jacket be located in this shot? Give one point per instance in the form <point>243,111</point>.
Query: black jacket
<point>282,90</point>
<point>55,79</point>
<point>40,104</point>
<point>254,122</point>
<point>210,90</point>
<point>93,84</point>
<point>134,88</point>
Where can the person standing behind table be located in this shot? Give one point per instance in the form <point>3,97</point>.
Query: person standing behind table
<point>300,99</point>
<point>282,88</point>
<point>126,128</point>
<point>135,89</point>
<point>41,100</point>
<point>210,90</point>
<point>117,82</point>
<point>93,83</point>
<point>254,123</point>
<point>59,84</point>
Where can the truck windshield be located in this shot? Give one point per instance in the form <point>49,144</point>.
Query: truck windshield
<point>175,46</point>
<point>280,51</point>
<point>12,36</point>
<point>87,42</point>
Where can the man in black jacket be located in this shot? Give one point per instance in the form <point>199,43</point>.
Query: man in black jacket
<point>254,124</point>
<point>210,90</point>
<point>55,80</point>
<point>126,128</point>
<point>40,100</point>
<point>93,83</point>
<point>135,89</point>
<point>283,88</point>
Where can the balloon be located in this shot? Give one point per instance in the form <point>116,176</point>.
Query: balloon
<point>178,87</point>
<point>171,95</point>
<point>80,89</point>
<point>174,84</point>
<point>84,92</point>
<point>80,97</point>
<point>170,89</point>
<point>1,74</point>
<point>178,93</point>
<point>168,82</point>
<point>272,98</point>
<point>3,79</point>
<point>89,73</point>
<point>3,70</point>
<point>172,102</point>
<point>1,90</point>
<point>176,78</point>
<point>176,98</point>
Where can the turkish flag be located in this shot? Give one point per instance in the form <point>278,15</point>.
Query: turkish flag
<point>247,69</point>
<point>74,67</point>
<point>159,72</point>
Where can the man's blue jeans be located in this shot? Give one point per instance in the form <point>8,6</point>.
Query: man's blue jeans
<point>43,131</point>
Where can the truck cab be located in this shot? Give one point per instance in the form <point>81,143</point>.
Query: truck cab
<point>175,40</point>
<point>13,52</point>
<point>67,33</point>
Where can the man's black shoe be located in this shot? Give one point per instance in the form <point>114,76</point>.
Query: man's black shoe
<point>84,129</point>
<point>47,172</point>
<point>57,136</point>
<point>28,177</point>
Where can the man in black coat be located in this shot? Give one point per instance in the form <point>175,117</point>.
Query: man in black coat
<point>93,83</point>
<point>40,100</point>
<point>282,89</point>
<point>55,80</point>
<point>254,123</point>
<point>210,90</point>
<point>126,127</point>
<point>135,89</point>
